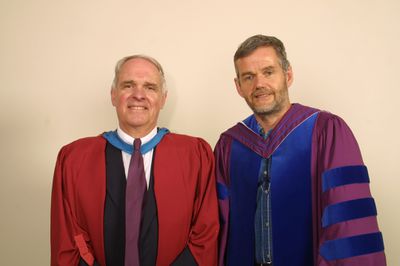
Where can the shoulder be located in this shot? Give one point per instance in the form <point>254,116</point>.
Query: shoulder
<point>82,146</point>
<point>325,117</point>
<point>331,126</point>
<point>330,121</point>
<point>226,137</point>
<point>185,142</point>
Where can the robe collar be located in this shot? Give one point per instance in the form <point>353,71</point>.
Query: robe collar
<point>244,132</point>
<point>114,139</point>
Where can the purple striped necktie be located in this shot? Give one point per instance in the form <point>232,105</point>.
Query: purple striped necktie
<point>135,189</point>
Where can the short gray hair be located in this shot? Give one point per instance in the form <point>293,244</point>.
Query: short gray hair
<point>256,41</point>
<point>150,59</point>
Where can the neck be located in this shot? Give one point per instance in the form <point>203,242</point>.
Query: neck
<point>137,132</point>
<point>270,120</point>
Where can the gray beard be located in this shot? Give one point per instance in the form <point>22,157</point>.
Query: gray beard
<point>276,106</point>
<point>267,111</point>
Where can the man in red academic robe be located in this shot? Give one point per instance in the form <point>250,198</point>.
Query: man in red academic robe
<point>179,216</point>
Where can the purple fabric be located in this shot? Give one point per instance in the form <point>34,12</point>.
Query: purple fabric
<point>354,227</point>
<point>293,117</point>
<point>222,153</point>
<point>374,259</point>
<point>135,189</point>
<point>345,193</point>
<point>296,114</point>
<point>334,145</point>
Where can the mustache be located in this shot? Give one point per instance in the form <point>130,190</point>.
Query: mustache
<point>261,91</point>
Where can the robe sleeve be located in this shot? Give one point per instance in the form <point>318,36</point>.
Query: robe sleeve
<point>221,153</point>
<point>205,226</point>
<point>346,229</point>
<point>68,243</point>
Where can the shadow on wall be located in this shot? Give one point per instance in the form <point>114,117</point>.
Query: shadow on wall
<point>168,111</point>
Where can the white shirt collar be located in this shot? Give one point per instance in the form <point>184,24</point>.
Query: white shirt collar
<point>128,139</point>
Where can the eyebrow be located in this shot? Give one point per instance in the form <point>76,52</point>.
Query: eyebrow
<point>268,68</point>
<point>246,73</point>
<point>146,83</point>
<point>127,82</point>
<point>252,73</point>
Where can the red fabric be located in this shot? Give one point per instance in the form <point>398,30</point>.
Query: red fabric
<point>78,198</point>
<point>184,189</point>
<point>84,251</point>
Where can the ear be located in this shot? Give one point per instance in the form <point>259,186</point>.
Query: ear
<point>289,76</point>
<point>113,94</point>
<point>164,98</point>
<point>238,88</point>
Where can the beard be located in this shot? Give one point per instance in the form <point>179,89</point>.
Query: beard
<point>276,106</point>
<point>266,110</point>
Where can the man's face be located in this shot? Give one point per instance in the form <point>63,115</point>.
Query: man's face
<point>263,83</point>
<point>138,97</point>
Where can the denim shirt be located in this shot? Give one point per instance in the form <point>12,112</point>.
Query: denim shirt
<point>262,221</point>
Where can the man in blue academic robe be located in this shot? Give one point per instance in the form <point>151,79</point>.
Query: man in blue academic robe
<point>292,185</point>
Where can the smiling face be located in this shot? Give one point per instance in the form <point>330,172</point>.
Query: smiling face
<point>263,83</point>
<point>138,97</point>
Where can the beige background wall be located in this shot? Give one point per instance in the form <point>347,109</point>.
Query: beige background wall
<point>57,59</point>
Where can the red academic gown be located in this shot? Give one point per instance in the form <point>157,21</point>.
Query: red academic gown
<point>184,188</point>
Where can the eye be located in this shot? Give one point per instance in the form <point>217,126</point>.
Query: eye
<point>126,86</point>
<point>248,77</point>
<point>152,87</point>
<point>268,73</point>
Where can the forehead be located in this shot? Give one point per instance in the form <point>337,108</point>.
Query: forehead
<point>139,69</point>
<point>261,57</point>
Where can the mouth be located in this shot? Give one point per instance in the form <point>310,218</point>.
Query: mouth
<point>133,107</point>
<point>262,95</point>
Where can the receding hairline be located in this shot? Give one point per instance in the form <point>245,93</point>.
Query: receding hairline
<point>253,51</point>
<point>147,58</point>
<point>251,44</point>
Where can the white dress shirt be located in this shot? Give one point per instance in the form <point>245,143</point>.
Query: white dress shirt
<point>147,157</point>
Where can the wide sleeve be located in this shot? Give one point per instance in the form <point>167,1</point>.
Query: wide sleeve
<point>346,231</point>
<point>67,244</point>
<point>205,225</point>
<point>221,154</point>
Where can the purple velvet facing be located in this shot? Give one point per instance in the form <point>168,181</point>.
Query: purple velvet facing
<point>293,117</point>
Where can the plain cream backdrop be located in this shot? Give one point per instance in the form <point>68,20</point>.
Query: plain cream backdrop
<point>56,67</point>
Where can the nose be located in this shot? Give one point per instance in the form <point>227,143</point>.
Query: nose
<point>138,92</point>
<point>260,81</point>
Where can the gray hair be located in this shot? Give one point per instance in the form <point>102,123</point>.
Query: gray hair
<point>150,59</point>
<point>256,41</point>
